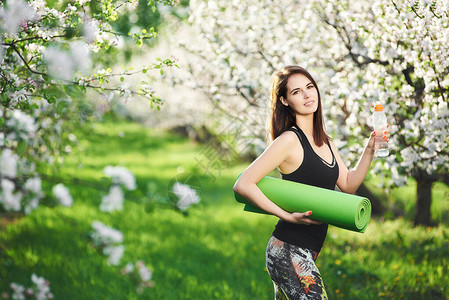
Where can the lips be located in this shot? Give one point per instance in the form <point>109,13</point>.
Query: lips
<point>308,103</point>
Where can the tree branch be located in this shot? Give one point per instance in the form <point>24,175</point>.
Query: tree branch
<point>406,73</point>
<point>342,33</point>
<point>25,62</point>
<point>416,13</point>
<point>30,39</point>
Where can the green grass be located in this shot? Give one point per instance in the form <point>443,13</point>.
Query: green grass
<point>217,251</point>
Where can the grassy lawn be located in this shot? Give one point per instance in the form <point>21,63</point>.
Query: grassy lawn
<point>217,251</point>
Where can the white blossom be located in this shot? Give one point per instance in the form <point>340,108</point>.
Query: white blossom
<point>114,254</point>
<point>144,272</point>
<point>23,124</point>
<point>109,239</point>
<point>59,63</point>
<point>11,201</point>
<point>105,235</point>
<point>128,268</point>
<point>186,195</point>
<point>62,194</point>
<point>80,56</point>
<point>33,184</point>
<point>18,291</point>
<point>113,201</point>
<point>39,291</point>
<point>17,12</point>
<point>8,163</point>
<point>32,204</point>
<point>121,175</point>
<point>42,286</point>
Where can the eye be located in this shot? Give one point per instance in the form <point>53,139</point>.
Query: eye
<point>295,92</point>
<point>311,86</point>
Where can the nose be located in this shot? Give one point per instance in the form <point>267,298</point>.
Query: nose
<point>306,94</point>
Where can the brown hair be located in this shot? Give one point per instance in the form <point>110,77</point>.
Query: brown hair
<point>283,117</point>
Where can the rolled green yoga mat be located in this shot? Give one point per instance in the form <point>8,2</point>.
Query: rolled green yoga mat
<point>332,207</point>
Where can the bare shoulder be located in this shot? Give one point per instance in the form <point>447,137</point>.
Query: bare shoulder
<point>275,154</point>
<point>282,145</point>
<point>288,146</point>
<point>285,140</point>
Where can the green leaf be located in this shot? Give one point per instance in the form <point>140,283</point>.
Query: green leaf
<point>70,32</point>
<point>51,99</point>
<point>21,147</point>
<point>122,79</point>
<point>73,90</point>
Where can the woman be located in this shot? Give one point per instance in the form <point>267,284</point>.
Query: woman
<point>304,153</point>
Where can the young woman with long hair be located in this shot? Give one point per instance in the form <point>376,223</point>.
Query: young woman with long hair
<point>300,148</point>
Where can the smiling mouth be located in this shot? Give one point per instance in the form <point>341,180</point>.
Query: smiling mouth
<point>309,103</point>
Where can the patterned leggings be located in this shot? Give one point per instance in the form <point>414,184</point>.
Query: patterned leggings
<point>294,272</point>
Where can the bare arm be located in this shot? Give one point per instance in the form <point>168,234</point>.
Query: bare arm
<point>273,156</point>
<point>350,180</point>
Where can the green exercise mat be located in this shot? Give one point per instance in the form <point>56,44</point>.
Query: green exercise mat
<point>332,207</point>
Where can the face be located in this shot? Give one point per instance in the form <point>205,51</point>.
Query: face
<point>302,96</point>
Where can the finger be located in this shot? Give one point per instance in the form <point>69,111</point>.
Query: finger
<point>314,222</point>
<point>302,217</point>
<point>308,221</point>
<point>299,216</point>
<point>306,214</point>
<point>379,132</point>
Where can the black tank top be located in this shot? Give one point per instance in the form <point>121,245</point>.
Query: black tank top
<point>313,171</point>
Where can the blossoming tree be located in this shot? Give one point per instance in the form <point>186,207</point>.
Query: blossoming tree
<point>394,52</point>
<point>360,52</point>
<point>51,56</point>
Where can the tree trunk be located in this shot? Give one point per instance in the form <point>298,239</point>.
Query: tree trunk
<point>377,207</point>
<point>423,202</point>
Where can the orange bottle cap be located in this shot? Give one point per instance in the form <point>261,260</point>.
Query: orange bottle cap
<point>378,107</point>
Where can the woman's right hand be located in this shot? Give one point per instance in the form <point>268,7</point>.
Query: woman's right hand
<point>301,218</point>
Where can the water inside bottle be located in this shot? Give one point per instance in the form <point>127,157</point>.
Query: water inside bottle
<point>381,146</point>
<point>381,152</point>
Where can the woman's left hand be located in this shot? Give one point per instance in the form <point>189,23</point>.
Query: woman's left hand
<point>385,134</point>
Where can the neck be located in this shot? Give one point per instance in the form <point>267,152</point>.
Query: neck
<point>305,123</point>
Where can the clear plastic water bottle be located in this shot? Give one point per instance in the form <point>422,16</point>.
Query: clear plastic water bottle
<point>380,123</point>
